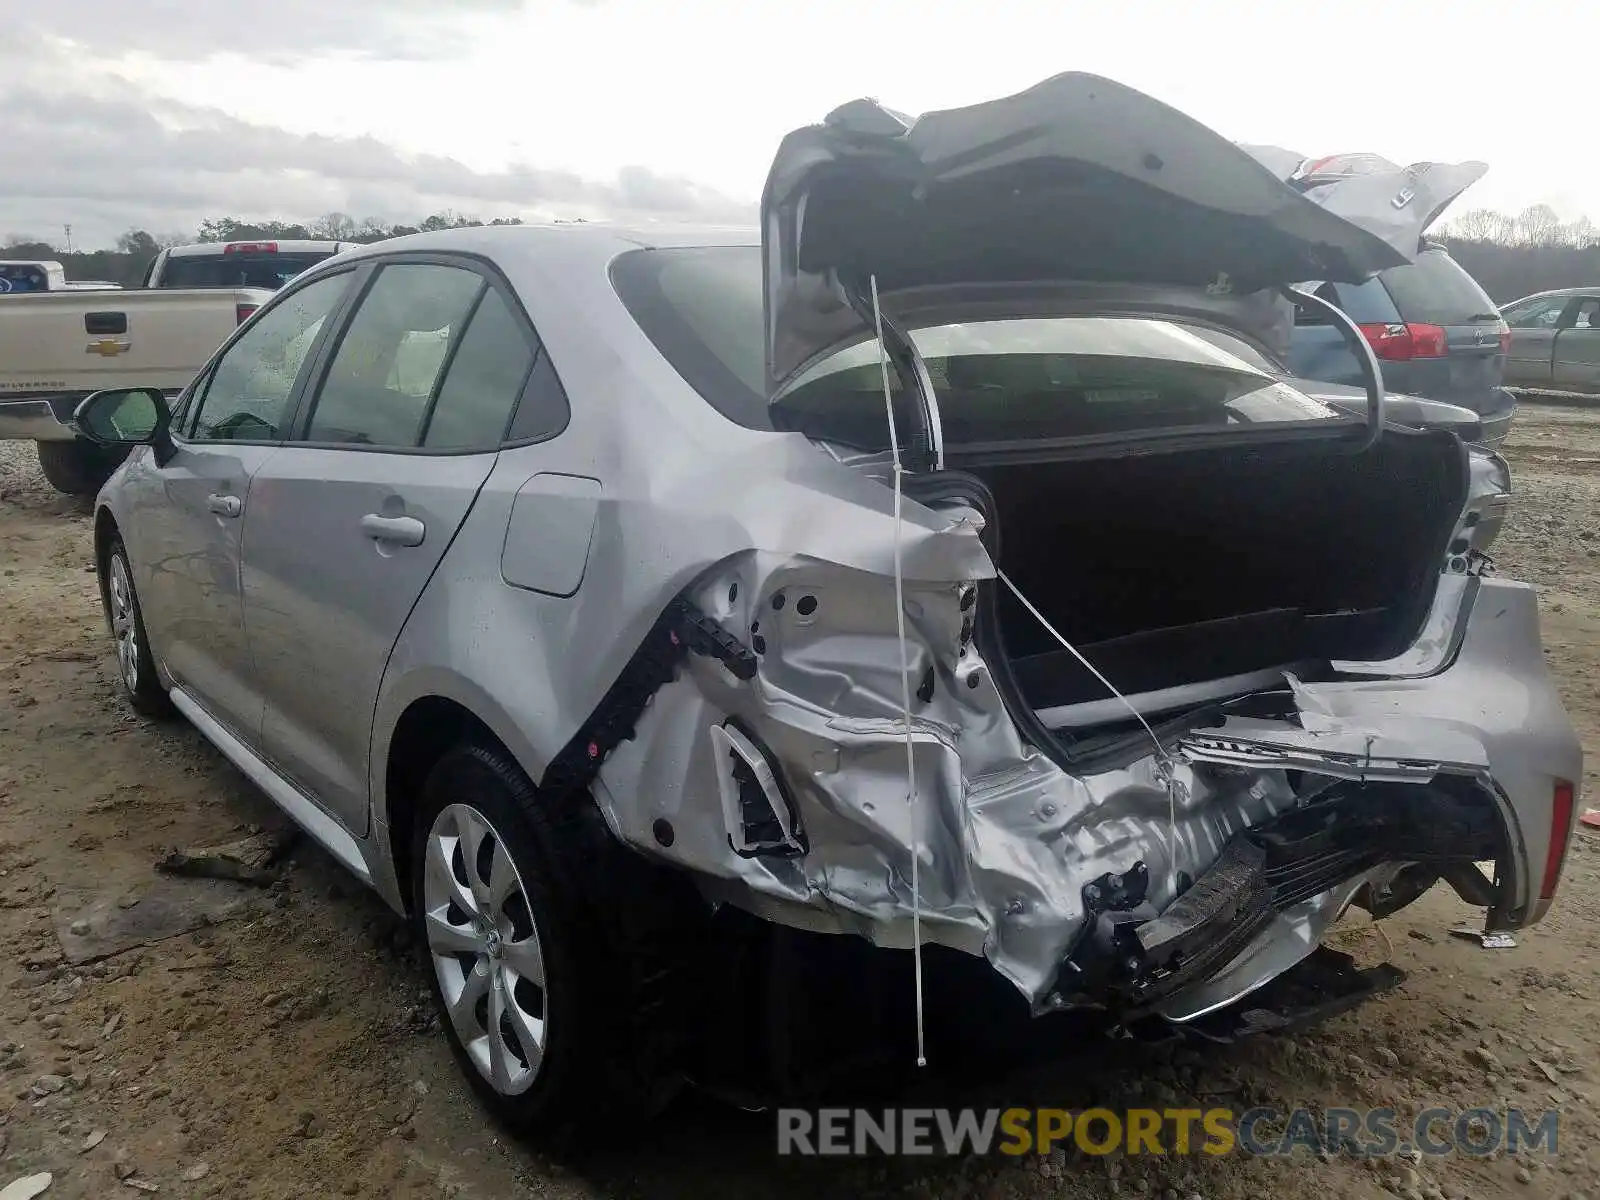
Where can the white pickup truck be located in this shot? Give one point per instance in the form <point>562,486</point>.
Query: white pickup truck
<point>58,343</point>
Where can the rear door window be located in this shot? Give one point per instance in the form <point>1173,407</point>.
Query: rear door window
<point>436,357</point>
<point>484,379</point>
<point>377,388</point>
<point>1436,290</point>
<point>1364,303</point>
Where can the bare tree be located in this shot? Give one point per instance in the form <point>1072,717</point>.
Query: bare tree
<point>1537,225</point>
<point>1481,225</point>
<point>335,226</point>
<point>1581,233</point>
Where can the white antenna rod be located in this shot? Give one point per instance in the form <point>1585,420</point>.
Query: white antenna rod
<point>1163,762</point>
<point>905,674</point>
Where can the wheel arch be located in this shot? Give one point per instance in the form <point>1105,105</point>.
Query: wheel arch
<point>106,531</point>
<point>429,723</point>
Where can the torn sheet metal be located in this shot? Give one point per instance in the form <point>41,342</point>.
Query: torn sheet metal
<point>1009,840</point>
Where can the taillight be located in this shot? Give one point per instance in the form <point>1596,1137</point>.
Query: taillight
<point>250,248</point>
<point>1562,801</point>
<point>242,312</point>
<point>1394,342</point>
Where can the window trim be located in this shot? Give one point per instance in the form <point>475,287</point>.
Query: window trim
<point>493,278</point>
<point>448,361</point>
<point>202,381</point>
<point>188,403</point>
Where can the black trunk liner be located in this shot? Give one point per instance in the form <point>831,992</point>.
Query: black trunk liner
<point>1168,569</point>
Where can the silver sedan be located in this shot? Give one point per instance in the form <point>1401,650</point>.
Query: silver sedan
<point>662,619</point>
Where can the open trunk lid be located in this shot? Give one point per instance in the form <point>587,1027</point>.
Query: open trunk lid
<point>1075,180</point>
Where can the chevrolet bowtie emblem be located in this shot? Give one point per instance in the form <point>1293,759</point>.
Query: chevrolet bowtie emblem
<point>108,347</point>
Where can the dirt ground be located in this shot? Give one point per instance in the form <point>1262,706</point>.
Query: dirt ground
<point>284,1050</point>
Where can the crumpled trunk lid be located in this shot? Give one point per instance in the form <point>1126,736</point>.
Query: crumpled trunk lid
<point>1077,179</point>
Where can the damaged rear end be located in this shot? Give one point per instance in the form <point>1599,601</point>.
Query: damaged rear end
<point>1194,662</point>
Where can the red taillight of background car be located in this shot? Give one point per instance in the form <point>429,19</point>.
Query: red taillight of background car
<point>1395,342</point>
<point>243,312</point>
<point>1563,799</point>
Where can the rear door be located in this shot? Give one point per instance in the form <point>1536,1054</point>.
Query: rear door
<point>1534,324</point>
<point>1576,358</point>
<point>349,520</point>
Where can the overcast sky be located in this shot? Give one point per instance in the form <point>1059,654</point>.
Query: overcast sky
<point>159,114</point>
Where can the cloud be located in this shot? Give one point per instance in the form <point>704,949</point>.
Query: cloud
<point>104,155</point>
<point>282,32</point>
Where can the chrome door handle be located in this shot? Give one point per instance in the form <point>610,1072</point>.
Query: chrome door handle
<point>224,506</point>
<point>402,531</point>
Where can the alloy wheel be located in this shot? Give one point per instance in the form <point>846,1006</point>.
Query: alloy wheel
<point>485,948</point>
<point>124,625</point>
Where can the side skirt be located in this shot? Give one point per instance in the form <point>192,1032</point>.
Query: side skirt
<point>304,811</point>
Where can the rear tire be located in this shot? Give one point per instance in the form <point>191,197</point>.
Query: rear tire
<point>136,666</point>
<point>560,961</point>
<point>79,468</point>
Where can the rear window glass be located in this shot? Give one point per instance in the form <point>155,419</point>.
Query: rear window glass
<point>236,270</point>
<point>1364,303</point>
<point>17,278</point>
<point>997,381</point>
<point>1436,290</point>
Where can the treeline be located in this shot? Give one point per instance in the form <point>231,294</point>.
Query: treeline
<point>1531,251</point>
<point>135,249</point>
<point>1510,255</point>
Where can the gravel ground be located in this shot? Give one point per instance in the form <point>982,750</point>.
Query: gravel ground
<point>288,1051</point>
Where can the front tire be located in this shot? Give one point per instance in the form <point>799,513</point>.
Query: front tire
<point>136,666</point>
<point>78,468</point>
<point>558,959</point>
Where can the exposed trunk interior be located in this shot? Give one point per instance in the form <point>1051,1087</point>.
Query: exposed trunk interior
<point>1177,568</point>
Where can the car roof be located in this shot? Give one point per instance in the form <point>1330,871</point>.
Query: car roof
<point>559,247</point>
<point>1591,290</point>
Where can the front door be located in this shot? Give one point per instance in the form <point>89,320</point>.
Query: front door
<point>187,514</point>
<point>1577,353</point>
<point>349,521</point>
<point>1534,324</point>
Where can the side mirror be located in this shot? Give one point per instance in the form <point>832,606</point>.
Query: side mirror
<point>124,417</point>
